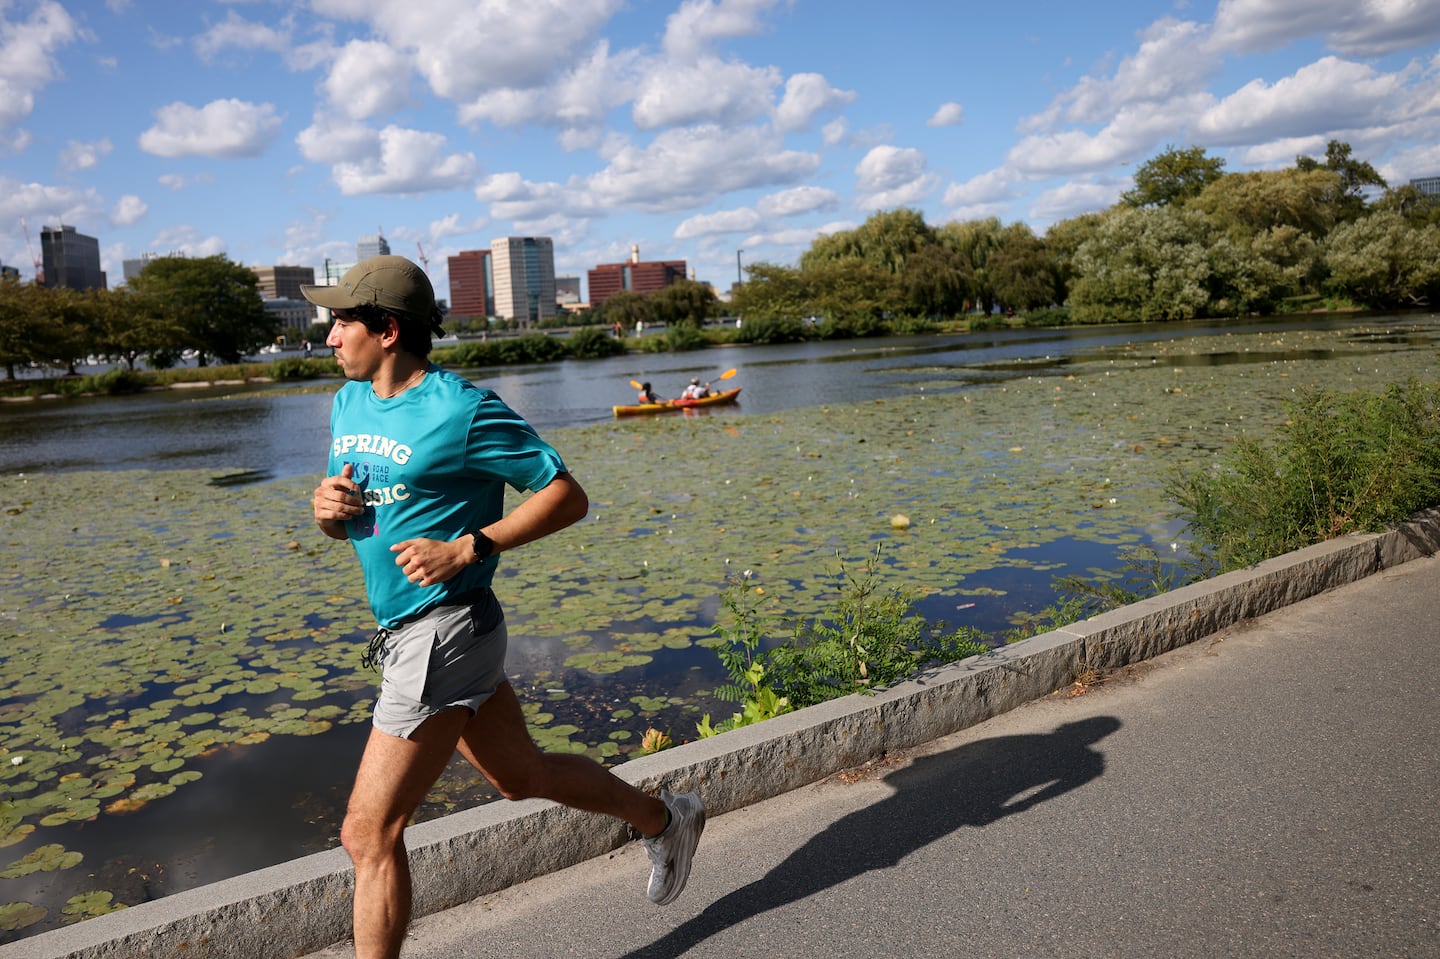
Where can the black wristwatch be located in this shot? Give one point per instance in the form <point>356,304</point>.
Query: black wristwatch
<point>484,545</point>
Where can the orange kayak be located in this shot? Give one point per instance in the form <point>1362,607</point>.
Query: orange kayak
<point>674,406</point>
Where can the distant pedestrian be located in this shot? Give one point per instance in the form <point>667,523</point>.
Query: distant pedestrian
<point>419,461</point>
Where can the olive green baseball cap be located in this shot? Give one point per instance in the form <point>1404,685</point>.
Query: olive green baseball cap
<point>392,283</point>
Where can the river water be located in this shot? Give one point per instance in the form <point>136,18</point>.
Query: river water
<point>273,431</point>
<point>286,797</point>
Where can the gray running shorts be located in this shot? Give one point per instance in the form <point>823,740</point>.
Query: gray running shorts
<point>451,656</point>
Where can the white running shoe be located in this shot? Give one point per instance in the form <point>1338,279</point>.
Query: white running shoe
<point>671,851</point>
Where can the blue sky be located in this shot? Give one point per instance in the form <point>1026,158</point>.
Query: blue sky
<point>279,133</point>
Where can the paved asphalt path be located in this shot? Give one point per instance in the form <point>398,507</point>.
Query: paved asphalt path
<point>1270,791</point>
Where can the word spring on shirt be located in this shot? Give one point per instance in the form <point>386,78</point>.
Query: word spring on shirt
<point>374,444</point>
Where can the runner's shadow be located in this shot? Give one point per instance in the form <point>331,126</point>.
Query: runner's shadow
<point>974,785</point>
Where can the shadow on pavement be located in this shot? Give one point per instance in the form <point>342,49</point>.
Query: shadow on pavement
<point>974,785</point>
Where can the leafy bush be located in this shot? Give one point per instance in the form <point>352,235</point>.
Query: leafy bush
<point>1340,464</point>
<point>533,348</point>
<point>785,330</point>
<point>851,327</point>
<point>873,640</point>
<point>676,339</point>
<point>987,321</point>
<point>913,325</point>
<point>299,368</point>
<point>593,343</point>
<point>1049,316</point>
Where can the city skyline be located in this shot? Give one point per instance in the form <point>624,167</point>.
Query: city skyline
<point>700,130</point>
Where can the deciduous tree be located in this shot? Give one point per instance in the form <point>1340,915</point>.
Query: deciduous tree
<point>1174,177</point>
<point>217,301</point>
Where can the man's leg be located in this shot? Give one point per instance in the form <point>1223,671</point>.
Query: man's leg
<point>394,776</point>
<point>496,742</point>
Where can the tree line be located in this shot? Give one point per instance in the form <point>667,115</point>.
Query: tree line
<point>209,305</point>
<point>1188,241</point>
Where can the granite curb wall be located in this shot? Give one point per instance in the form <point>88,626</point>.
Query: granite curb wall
<point>304,905</point>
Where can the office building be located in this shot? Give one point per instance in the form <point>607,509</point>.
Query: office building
<point>567,291</point>
<point>524,274</point>
<point>472,283</point>
<point>283,282</point>
<point>71,259</point>
<point>295,316</point>
<point>1428,185</point>
<point>368,246</point>
<point>132,268</point>
<point>633,276</point>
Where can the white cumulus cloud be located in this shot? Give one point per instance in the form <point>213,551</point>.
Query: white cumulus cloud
<point>1358,28</point>
<point>84,156</point>
<point>368,79</point>
<point>798,200</point>
<point>221,128</point>
<point>27,56</point>
<point>408,161</point>
<point>890,176</point>
<point>130,210</point>
<point>806,96</point>
<point>947,115</point>
<point>1330,94</point>
<point>707,90</point>
<point>710,224</point>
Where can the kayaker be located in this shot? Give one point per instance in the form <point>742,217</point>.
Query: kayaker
<point>647,395</point>
<point>695,391</point>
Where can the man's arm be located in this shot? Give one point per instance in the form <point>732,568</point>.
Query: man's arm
<point>561,503</point>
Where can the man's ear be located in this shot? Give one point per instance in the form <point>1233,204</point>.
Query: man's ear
<point>390,336</point>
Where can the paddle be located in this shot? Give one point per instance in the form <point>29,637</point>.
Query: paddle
<point>724,376</point>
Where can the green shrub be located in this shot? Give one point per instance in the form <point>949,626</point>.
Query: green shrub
<point>299,368</point>
<point>532,348</point>
<point>1340,464</point>
<point>467,355</point>
<point>676,339</point>
<point>913,325</point>
<point>851,327</point>
<point>593,343</point>
<point>1049,316</point>
<point>785,330</point>
<point>872,640</point>
<point>987,321</point>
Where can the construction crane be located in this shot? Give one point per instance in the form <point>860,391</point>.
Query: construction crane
<point>39,269</point>
<point>424,260</point>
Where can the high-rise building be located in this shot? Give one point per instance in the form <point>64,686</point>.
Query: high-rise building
<point>283,282</point>
<point>368,246</point>
<point>131,268</point>
<point>524,271</point>
<point>472,283</point>
<point>71,259</point>
<point>567,290</point>
<point>633,276</point>
<point>1428,185</point>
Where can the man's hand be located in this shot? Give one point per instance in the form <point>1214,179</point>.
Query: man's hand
<point>426,562</point>
<point>336,500</point>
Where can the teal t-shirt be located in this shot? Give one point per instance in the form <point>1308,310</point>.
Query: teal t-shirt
<point>432,462</point>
